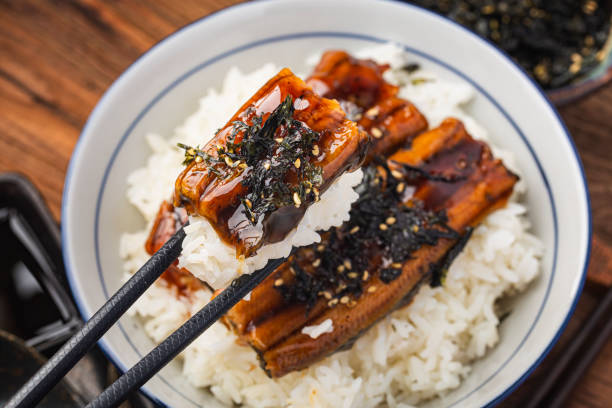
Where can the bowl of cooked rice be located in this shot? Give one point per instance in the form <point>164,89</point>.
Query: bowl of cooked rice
<point>468,340</point>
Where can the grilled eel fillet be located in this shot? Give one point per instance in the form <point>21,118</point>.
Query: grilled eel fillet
<point>342,148</point>
<point>168,220</point>
<point>273,327</point>
<point>368,99</point>
<point>359,86</point>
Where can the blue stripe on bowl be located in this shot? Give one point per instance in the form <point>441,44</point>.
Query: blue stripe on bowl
<point>288,37</point>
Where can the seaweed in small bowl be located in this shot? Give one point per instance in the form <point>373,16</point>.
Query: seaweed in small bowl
<point>564,45</point>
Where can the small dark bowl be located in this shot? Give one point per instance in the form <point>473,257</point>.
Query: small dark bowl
<point>18,363</point>
<point>590,82</point>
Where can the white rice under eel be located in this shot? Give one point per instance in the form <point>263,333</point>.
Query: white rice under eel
<point>210,259</point>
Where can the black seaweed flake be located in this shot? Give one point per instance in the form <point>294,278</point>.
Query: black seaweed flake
<point>270,151</point>
<point>380,223</point>
<point>556,42</point>
<point>388,275</point>
<point>440,270</point>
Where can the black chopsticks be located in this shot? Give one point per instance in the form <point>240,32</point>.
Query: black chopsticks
<point>74,349</point>
<point>56,368</point>
<point>161,355</point>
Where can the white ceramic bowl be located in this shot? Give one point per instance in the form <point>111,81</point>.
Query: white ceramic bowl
<point>160,89</point>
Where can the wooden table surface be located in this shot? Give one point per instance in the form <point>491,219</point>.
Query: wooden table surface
<point>57,58</point>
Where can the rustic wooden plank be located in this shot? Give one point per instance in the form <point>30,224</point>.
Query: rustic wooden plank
<point>57,57</point>
<point>589,121</point>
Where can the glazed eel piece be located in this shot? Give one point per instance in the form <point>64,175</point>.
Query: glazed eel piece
<point>463,180</point>
<point>215,184</point>
<point>360,87</point>
<point>249,319</point>
<point>368,99</point>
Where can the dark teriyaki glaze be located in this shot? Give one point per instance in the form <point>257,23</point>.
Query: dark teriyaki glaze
<point>168,220</point>
<point>274,158</point>
<point>368,99</point>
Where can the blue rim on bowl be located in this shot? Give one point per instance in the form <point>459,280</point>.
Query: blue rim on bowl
<point>105,347</point>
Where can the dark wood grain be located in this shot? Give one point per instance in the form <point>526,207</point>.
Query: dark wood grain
<point>57,57</point>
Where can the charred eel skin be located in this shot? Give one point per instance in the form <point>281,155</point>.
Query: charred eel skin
<point>479,184</point>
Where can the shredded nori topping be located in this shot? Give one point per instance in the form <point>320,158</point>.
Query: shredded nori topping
<point>440,270</point>
<point>380,225</point>
<point>272,153</point>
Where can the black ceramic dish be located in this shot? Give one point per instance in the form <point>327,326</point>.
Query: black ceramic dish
<point>18,362</point>
<point>29,235</point>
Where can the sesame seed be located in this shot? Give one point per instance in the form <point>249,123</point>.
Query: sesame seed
<point>332,302</point>
<point>340,268</point>
<point>396,265</point>
<point>590,6</point>
<point>296,199</point>
<point>397,174</point>
<point>316,263</point>
<point>383,227</point>
<point>358,116</point>
<point>321,248</point>
<point>352,275</point>
<point>372,289</point>
<point>541,72</point>
<point>373,112</point>
<point>344,300</point>
<point>352,303</point>
<point>488,9</point>
<point>347,264</point>
<point>297,163</point>
<point>326,294</point>
<point>292,270</point>
<point>415,228</point>
<point>278,282</point>
<point>575,67</point>
<point>575,57</point>
<point>390,220</point>
<point>377,133</point>
<point>354,229</point>
<point>400,187</point>
<point>315,150</point>
<point>366,275</point>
